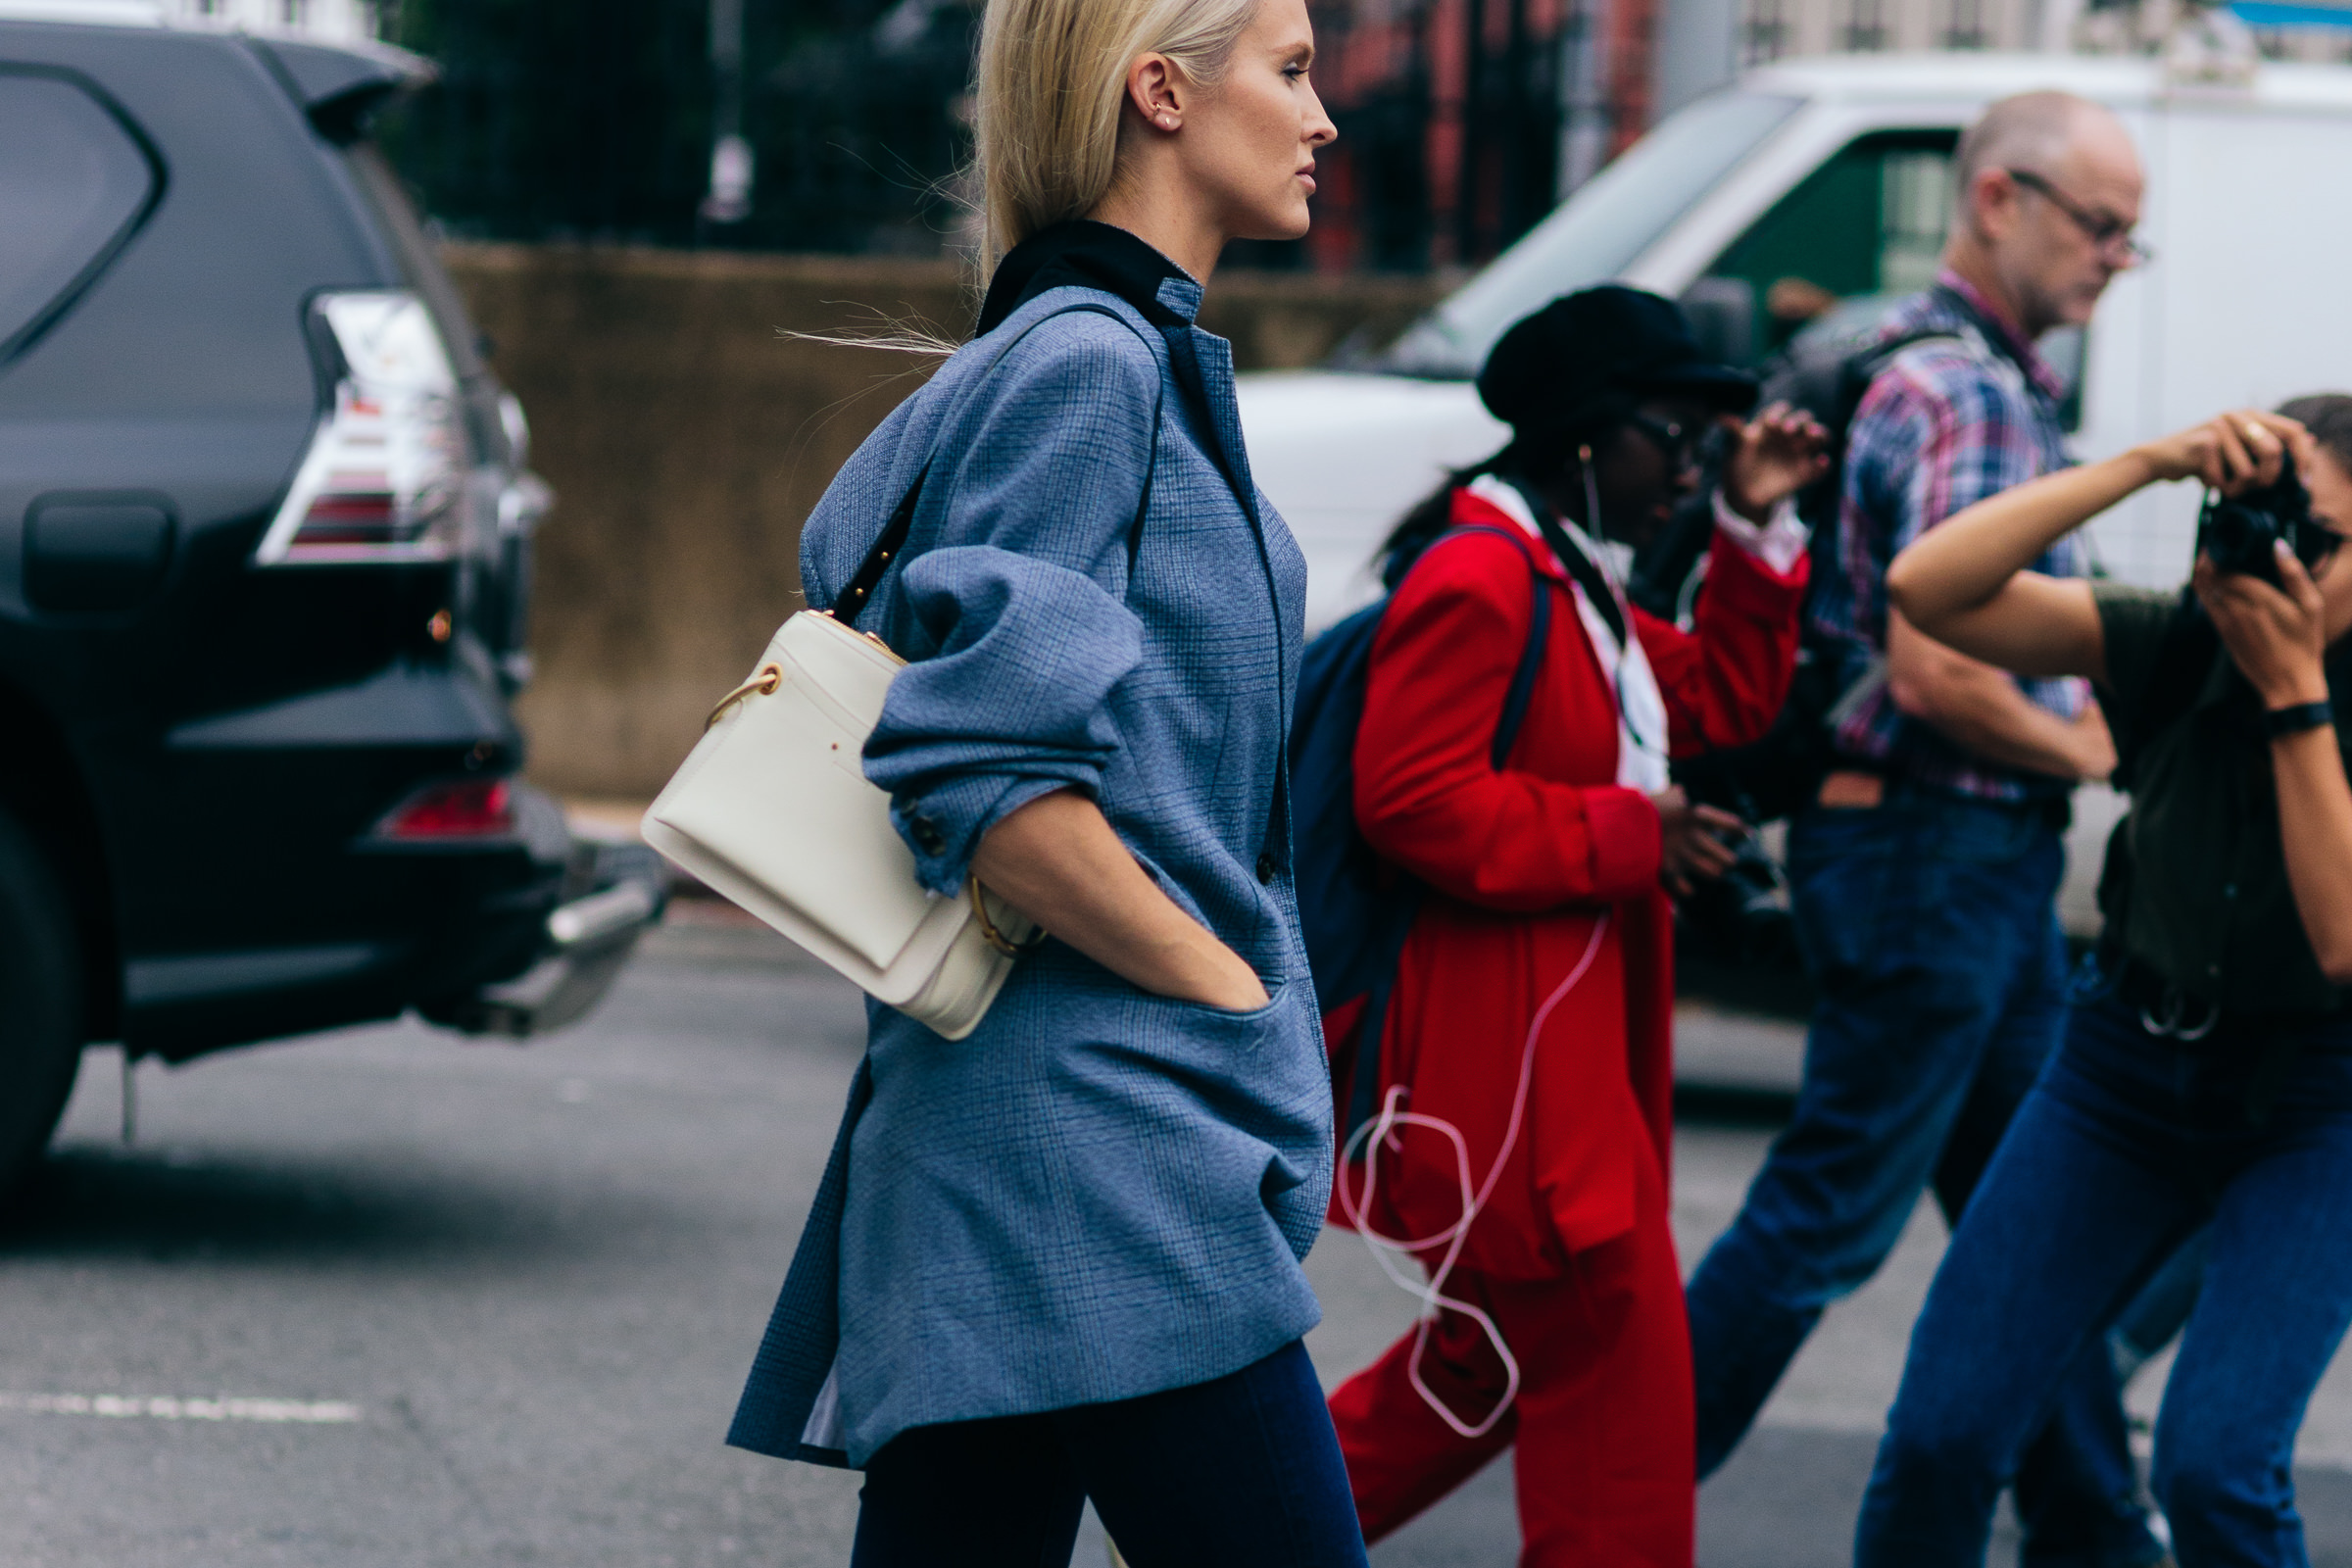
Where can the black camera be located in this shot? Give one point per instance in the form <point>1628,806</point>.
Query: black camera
<point>2241,532</point>
<point>1742,917</point>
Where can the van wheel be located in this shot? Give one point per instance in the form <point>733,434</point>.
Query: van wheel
<point>41,1005</point>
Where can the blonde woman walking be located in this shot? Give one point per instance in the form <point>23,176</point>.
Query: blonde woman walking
<point>1059,1259</point>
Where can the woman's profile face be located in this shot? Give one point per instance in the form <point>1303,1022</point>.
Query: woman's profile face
<point>1641,469</point>
<point>1249,146</point>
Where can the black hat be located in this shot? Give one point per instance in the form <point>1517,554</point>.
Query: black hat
<point>1569,359</point>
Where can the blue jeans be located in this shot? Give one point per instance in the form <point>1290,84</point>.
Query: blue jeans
<point>2129,1144</point>
<point>1942,977</point>
<point>1242,1470</point>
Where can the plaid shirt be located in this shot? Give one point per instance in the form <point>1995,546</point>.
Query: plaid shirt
<point>1948,423</point>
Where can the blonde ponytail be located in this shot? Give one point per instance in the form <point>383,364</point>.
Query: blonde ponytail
<point>1051,77</point>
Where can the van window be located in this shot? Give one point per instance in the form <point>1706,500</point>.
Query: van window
<point>1868,223</point>
<point>75,182</point>
<point>1608,223</point>
<point>1859,232</point>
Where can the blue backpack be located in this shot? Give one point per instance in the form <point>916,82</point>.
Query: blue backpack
<point>1356,909</point>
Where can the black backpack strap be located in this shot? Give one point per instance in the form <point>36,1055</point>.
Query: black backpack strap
<point>1871,361</point>
<point>1530,658</point>
<point>1523,680</point>
<point>891,543</point>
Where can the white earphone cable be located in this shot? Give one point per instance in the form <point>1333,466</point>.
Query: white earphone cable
<point>1381,1132</point>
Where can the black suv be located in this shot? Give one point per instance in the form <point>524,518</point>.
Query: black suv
<point>265,556</point>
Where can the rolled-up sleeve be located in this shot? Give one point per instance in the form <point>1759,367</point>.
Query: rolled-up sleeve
<point>1021,605</point>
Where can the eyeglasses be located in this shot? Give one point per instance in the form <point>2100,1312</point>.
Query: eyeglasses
<point>1678,442</point>
<point>2103,230</point>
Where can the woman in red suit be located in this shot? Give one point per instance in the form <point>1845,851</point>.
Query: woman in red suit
<point>1525,1073</point>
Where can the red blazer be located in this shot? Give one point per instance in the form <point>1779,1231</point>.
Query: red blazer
<point>1521,862</point>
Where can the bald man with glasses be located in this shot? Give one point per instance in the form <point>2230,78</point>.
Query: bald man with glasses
<point>1924,875</point>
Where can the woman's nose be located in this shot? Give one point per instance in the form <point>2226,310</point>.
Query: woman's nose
<point>1319,131</point>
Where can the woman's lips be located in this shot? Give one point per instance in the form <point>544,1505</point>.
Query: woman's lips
<point>1307,174</point>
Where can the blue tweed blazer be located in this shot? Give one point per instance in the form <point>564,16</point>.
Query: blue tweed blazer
<point>1102,1193</point>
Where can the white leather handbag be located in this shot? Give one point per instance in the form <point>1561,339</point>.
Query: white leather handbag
<point>773,810</point>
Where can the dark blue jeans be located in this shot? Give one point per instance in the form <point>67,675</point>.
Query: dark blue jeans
<point>1243,1470</point>
<point>1942,979</point>
<point>2129,1144</point>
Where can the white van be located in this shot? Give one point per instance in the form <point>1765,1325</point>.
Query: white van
<point>1837,173</point>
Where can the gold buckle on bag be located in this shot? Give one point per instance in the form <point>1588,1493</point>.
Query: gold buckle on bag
<point>996,937</point>
<point>763,682</point>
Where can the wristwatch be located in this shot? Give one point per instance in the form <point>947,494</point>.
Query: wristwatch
<point>2295,719</point>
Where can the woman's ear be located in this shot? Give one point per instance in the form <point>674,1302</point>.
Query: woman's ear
<point>1156,90</point>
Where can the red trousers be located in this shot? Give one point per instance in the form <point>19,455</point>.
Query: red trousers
<point>1603,1417</point>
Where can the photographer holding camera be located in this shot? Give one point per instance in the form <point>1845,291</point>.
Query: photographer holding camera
<point>1924,868</point>
<point>2207,1075</point>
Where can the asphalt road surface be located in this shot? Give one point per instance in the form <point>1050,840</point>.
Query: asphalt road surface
<point>386,1298</point>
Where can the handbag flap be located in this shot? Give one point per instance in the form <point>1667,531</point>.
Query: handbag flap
<point>775,792</point>
<point>845,671</point>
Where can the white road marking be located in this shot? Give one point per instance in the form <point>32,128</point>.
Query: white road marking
<point>314,1412</point>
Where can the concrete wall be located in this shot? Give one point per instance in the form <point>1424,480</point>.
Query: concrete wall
<point>687,438</point>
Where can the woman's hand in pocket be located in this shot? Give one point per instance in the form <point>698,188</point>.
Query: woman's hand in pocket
<point>1239,992</point>
<point>1058,862</point>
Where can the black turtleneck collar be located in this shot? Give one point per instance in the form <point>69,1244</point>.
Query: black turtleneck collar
<point>1089,255</point>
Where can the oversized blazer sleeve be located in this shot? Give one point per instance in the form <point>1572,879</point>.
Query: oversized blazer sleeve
<point>1428,795</point>
<point>1020,628</point>
<point>1725,680</point>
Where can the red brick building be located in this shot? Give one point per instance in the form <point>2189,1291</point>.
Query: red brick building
<point>1463,121</point>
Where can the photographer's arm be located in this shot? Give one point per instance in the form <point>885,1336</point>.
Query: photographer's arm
<point>2314,818</point>
<point>2280,641</point>
<point>1965,584</point>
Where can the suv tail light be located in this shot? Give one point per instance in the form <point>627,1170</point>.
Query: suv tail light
<point>384,477</point>
<point>463,808</point>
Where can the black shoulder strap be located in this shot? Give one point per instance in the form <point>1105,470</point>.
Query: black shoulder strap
<point>1588,576</point>
<point>1873,358</point>
<point>852,601</point>
<point>1578,564</point>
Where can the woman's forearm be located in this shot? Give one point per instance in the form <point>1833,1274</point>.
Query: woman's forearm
<point>1057,861</point>
<point>1963,563</point>
<point>2315,829</point>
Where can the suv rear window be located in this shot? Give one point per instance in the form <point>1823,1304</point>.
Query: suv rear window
<point>417,260</point>
<point>75,182</point>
